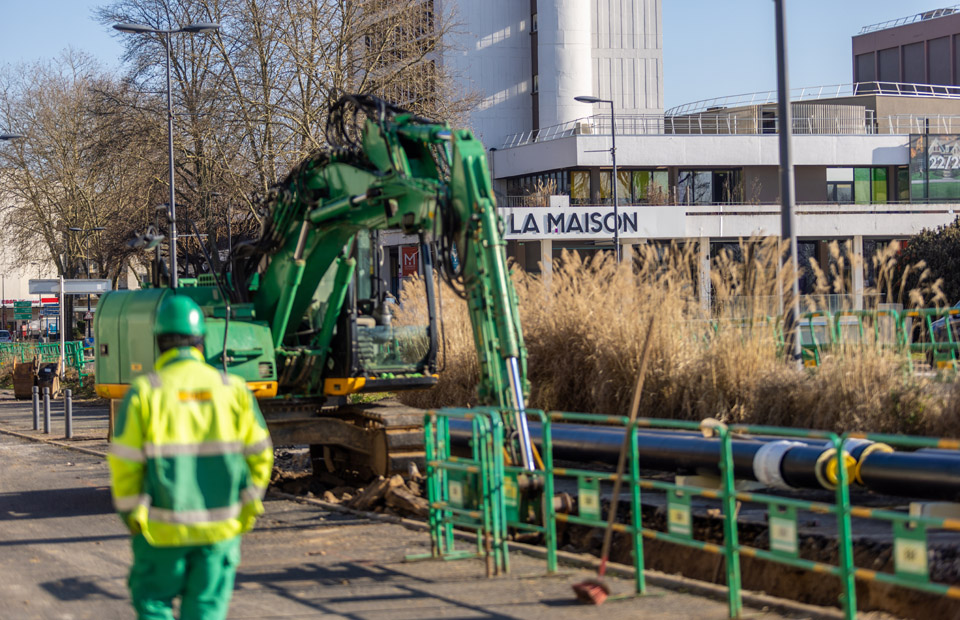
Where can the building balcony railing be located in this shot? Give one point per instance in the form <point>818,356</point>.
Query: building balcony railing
<point>755,113</point>
<point>815,93</point>
<point>536,200</point>
<point>911,19</point>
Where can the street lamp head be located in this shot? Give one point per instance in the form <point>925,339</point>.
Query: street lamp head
<point>135,28</point>
<point>588,99</point>
<point>10,136</point>
<point>201,27</point>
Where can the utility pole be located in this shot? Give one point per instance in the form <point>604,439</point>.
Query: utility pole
<point>788,216</point>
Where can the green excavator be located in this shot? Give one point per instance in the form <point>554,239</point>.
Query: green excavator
<point>301,314</point>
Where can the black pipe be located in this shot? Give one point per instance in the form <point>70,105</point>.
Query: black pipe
<point>925,474</point>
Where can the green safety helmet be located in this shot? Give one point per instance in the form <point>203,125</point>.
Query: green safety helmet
<point>181,315</point>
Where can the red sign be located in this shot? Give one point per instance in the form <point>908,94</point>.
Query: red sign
<point>49,300</point>
<point>409,260</point>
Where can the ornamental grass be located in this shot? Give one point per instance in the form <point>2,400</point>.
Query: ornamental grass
<point>583,328</point>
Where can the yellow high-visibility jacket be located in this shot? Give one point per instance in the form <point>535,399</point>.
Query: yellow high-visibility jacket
<point>191,456</point>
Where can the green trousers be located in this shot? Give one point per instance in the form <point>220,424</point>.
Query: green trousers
<point>202,576</point>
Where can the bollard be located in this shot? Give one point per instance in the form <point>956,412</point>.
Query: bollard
<point>68,413</point>
<point>46,411</point>
<point>36,408</point>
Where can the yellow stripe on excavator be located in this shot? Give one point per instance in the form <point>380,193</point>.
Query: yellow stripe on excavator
<point>116,391</point>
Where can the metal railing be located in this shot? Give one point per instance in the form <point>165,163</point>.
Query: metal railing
<point>690,502</point>
<point>814,93</point>
<point>911,19</point>
<point>734,124</point>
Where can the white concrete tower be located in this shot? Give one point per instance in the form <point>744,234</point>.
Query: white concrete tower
<point>565,66</point>
<point>627,55</point>
<point>491,60</point>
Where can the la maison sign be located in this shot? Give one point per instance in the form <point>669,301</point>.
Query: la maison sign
<point>526,223</point>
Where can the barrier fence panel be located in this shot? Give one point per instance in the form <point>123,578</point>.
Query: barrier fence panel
<point>529,497</point>
<point>782,514</point>
<point>909,529</point>
<point>937,335</point>
<point>678,498</point>
<point>480,492</point>
<point>47,352</point>
<point>466,491</point>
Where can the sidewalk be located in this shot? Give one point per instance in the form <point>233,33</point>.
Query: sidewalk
<point>65,554</point>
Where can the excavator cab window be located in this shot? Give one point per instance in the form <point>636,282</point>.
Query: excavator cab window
<point>381,347</point>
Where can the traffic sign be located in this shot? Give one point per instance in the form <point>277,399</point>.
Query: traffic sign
<point>26,305</point>
<point>88,316</point>
<point>70,287</point>
<point>22,316</point>
<point>51,310</point>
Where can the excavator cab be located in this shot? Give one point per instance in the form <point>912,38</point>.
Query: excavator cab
<point>373,349</point>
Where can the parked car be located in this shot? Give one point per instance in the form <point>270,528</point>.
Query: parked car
<point>5,336</point>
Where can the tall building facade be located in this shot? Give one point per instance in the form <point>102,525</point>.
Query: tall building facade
<point>526,60</point>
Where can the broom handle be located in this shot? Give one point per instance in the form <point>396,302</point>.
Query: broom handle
<point>622,459</point>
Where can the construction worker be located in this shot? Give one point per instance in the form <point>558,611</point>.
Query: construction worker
<point>189,463</point>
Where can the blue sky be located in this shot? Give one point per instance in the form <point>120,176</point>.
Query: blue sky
<point>711,48</point>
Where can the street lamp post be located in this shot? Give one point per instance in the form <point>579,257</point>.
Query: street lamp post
<point>86,266</point>
<point>613,154</point>
<point>193,29</point>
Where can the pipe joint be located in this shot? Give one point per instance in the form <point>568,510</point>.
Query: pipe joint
<point>766,463</point>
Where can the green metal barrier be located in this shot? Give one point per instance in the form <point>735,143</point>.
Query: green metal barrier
<point>47,352</point>
<point>520,513</point>
<point>480,493</point>
<point>466,492</point>
<point>782,517</point>
<point>941,352</point>
<point>589,505</point>
<point>911,569</point>
<point>679,520</point>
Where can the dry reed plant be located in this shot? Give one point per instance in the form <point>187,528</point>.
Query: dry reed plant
<point>583,330</point>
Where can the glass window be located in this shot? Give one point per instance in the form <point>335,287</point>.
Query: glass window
<point>695,186</point>
<point>579,186</point>
<point>843,192</point>
<point>641,185</point>
<point>839,174</point>
<point>624,181</point>
<point>657,190</point>
<point>861,185</point>
<point>606,188</point>
<point>903,183</point>
<point>879,176</point>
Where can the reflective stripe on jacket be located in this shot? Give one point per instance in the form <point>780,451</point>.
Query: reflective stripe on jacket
<point>190,457</point>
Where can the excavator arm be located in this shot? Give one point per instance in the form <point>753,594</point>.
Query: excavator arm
<point>405,173</point>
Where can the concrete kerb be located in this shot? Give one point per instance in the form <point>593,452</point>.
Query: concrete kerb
<point>575,560</point>
<point>54,442</point>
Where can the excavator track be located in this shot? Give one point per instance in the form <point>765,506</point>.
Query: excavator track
<point>360,440</point>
